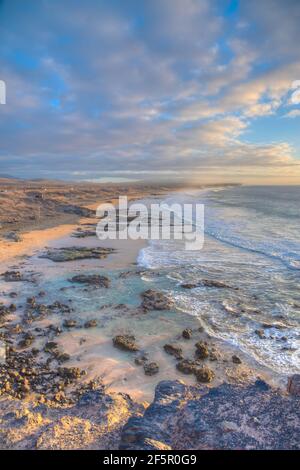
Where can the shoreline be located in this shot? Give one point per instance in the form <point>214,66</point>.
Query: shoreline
<point>119,374</point>
<point>124,258</point>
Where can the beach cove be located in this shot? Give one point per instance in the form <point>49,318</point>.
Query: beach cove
<point>88,316</point>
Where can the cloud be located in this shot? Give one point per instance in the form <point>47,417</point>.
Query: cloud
<point>292,114</point>
<point>144,87</point>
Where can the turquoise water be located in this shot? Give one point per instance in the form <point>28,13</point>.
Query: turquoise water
<point>252,243</point>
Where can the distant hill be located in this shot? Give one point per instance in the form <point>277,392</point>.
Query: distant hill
<point>9,177</point>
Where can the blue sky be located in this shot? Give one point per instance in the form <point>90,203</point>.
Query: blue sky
<point>194,89</point>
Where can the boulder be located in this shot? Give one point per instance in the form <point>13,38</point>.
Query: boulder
<point>154,300</point>
<point>13,236</point>
<point>151,368</point>
<point>70,323</point>
<point>125,342</point>
<point>12,276</point>
<point>202,351</point>
<point>186,366</point>
<point>173,350</point>
<point>236,359</point>
<point>74,253</point>
<point>207,283</point>
<point>204,374</point>
<point>187,333</point>
<point>94,280</point>
<point>70,373</point>
<point>91,324</point>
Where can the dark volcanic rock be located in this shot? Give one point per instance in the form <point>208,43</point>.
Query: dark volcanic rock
<point>76,253</point>
<point>187,333</point>
<point>125,342</point>
<point>72,209</point>
<point>80,233</point>
<point>202,351</point>
<point>4,311</point>
<point>13,276</point>
<point>90,324</point>
<point>12,308</point>
<point>26,341</point>
<point>151,368</point>
<point>154,300</point>
<point>294,385</point>
<point>50,347</point>
<point>173,350</point>
<point>260,334</point>
<point>14,236</point>
<point>141,360</point>
<point>225,417</point>
<point>62,357</point>
<point>70,373</point>
<point>204,374</point>
<point>207,283</point>
<point>92,280</point>
<point>186,366</point>
<point>70,323</point>
<point>152,444</point>
<point>236,359</point>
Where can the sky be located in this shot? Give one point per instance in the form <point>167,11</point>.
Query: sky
<point>194,90</point>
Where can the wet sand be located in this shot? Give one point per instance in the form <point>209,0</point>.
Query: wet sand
<point>42,307</point>
<point>31,242</point>
<point>117,310</point>
<point>91,349</point>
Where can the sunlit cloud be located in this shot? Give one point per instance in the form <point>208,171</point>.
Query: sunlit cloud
<point>151,88</point>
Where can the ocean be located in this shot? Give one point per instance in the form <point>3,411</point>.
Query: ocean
<point>252,244</point>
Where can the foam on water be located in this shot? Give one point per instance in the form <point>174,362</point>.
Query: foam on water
<point>252,243</point>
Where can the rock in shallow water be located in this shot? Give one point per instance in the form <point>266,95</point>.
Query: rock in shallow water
<point>202,351</point>
<point>187,333</point>
<point>173,350</point>
<point>125,342</point>
<point>151,368</point>
<point>91,324</point>
<point>70,323</point>
<point>13,276</point>
<point>155,300</point>
<point>207,283</point>
<point>204,374</point>
<point>92,280</point>
<point>75,253</point>
<point>186,366</point>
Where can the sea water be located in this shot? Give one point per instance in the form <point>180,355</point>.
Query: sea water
<point>252,244</point>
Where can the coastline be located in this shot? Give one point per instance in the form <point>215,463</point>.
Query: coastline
<point>106,368</point>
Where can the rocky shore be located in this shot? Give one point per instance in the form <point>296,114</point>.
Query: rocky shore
<point>74,351</point>
<point>180,417</point>
<point>226,417</point>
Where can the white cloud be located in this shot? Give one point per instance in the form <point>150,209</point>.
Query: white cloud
<point>292,114</point>
<point>175,94</point>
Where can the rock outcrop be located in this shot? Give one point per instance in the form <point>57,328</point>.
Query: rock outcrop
<point>225,417</point>
<point>154,300</point>
<point>95,280</point>
<point>95,421</point>
<point>207,283</point>
<point>125,342</point>
<point>60,255</point>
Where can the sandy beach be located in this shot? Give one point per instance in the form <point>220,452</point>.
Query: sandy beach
<point>75,321</point>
